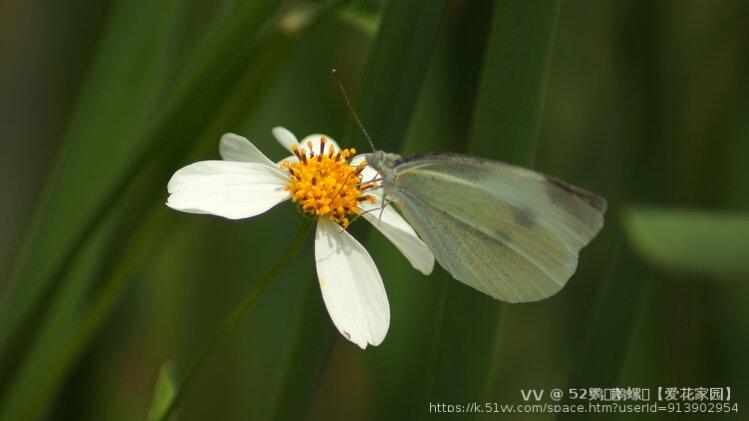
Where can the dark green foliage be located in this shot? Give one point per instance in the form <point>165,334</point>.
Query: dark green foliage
<point>642,102</point>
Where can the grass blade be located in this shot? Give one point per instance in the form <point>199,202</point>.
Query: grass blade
<point>101,133</point>
<point>395,69</point>
<point>65,315</point>
<point>386,113</point>
<point>511,99</point>
<point>402,361</point>
<point>53,247</point>
<point>687,240</point>
<point>164,391</point>
<point>307,360</point>
<point>124,117</point>
<point>507,116</point>
<point>608,333</point>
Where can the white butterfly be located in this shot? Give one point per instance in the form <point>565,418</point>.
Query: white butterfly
<point>509,232</point>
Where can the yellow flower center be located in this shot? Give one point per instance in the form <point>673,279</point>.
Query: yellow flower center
<point>325,185</point>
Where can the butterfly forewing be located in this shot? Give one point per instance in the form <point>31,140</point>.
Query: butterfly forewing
<point>509,232</point>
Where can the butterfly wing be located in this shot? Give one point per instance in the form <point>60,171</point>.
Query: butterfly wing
<point>507,231</point>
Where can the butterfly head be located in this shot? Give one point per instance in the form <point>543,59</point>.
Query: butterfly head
<point>384,163</point>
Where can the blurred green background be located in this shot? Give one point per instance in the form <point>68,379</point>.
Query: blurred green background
<point>645,103</point>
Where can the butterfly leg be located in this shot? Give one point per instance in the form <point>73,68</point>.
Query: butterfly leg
<point>385,202</point>
<point>366,212</point>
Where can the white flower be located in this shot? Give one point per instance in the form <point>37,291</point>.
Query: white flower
<point>327,182</point>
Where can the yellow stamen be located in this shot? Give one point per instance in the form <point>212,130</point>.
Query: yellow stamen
<point>327,186</point>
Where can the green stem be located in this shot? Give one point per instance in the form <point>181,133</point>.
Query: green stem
<point>236,315</point>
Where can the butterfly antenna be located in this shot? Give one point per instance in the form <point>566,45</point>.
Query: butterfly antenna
<point>351,108</point>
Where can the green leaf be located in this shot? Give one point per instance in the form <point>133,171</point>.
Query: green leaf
<point>163,392</point>
<point>691,240</point>
<point>507,117</point>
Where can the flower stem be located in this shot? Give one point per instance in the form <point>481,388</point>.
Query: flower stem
<point>236,315</point>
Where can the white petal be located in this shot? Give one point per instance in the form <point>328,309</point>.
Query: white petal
<point>315,139</point>
<point>233,190</point>
<point>233,147</point>
<point>369,173</point>
<point>284,137</point>
<point>351,285</point>
<point>400,233</point>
